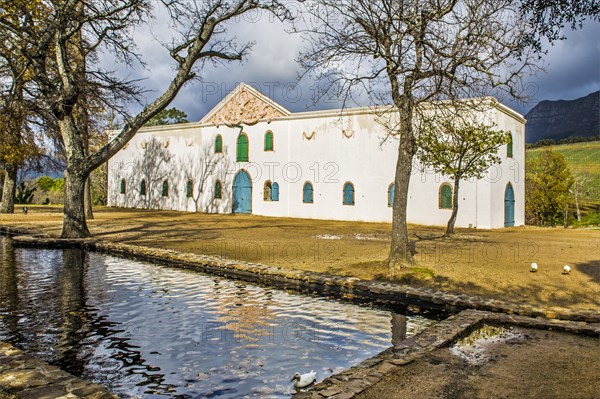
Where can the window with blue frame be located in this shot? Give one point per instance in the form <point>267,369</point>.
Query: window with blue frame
<point>275,192</point>
<point>123,188</point>
<point>165,189</point>
<point>348,194</point>
<point>189,189</point>
<point>390,195</point>
<point>143,187</point>
<point>307,193</point>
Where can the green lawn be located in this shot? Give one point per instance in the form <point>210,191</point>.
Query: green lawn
<point>583,158</point>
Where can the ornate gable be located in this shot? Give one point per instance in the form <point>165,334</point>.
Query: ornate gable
<point>244,106</point>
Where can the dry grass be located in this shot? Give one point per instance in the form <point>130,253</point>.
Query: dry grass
<point>492,263</point>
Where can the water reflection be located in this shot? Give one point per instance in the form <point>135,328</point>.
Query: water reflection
<point>155,332</point>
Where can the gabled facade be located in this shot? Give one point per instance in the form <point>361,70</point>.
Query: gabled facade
<point>251,155</point>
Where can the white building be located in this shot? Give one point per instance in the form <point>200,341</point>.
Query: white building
<point>251,155</point>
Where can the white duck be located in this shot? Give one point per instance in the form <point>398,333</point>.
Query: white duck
<point>534,267</point>
<point>566,269</point>
<point>304,380</point>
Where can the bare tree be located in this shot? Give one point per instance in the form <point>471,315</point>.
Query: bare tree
<point>418,55</point>
<point>547,18</point>
<point>580,189</point>
<point>62,41</point>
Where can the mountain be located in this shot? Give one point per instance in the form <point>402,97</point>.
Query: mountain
<point>560,119</point>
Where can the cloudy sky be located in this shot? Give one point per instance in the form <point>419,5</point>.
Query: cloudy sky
<point>572,68</point>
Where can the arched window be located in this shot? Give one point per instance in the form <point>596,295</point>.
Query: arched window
<point>445,197</point>
<point>218,144</point>
<point>307,193</point>
<point>218,190</point>
<point>509,146</point>
<point>165,189</point>
<point>390,195</point>
<point>348,194</point>
<point>275,192</point>
<point>189,189</point>
<point>509,206</point>
<point>123,188</point>
<point>242,148</point>
<point>269,141</point>
<point>268,191</point>
<point>143,187</point>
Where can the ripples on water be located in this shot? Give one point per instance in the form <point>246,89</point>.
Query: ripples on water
<point>150,331</point>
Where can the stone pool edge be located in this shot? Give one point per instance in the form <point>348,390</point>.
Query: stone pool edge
<point>353,381</point>
<point>298,279</point>
<point>24,376</point>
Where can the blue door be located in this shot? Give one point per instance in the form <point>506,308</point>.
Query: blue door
<point>242,193</point>
<point>509,206</point>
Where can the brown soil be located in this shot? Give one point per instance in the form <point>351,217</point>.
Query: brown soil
<point>492,263</point>
<point>545,364</point>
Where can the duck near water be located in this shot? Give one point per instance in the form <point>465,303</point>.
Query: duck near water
<point>304,380</point>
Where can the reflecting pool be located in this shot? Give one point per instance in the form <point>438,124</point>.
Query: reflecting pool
<point>150,331</point>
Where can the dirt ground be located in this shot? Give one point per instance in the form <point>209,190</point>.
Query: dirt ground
<point>542,364</point>
<point>492,263</point>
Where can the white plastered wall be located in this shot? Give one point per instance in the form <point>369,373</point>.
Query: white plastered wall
<point>347,149</point>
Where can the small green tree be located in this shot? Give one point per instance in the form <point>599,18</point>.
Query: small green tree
<point>168,117</point>
<point>459,149</point>
<point>548,181</point>
<point>45,183</point>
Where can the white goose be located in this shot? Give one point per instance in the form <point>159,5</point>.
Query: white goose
<point>304,380</point>
<point>534,267</point>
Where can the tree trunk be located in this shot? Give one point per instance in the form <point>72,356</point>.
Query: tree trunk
<point>74,223</point>
<point>400,252</point>
<point>89,213</point>
<point>9,189</point>
<point>450,226</point>
<point>577,210</point>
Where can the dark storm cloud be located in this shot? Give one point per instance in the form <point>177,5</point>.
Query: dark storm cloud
<point>573,68</point>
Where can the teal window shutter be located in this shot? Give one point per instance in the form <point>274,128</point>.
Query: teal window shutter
<point>348,194</point>
<point>391,189</point>
<point>123,188</point>
<point>509,147</point>
<point>189,189</point>
<point>275,192</point>
<point>307,193</point>
<point>143,187</point>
